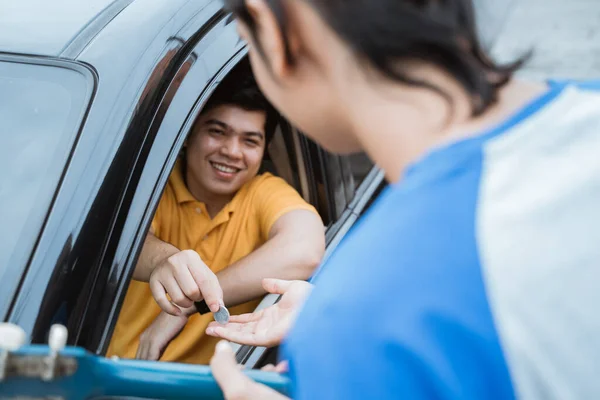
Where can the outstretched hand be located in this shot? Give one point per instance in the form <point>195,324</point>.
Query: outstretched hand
<point>268,326</point>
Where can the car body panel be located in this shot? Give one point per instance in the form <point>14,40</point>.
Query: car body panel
<point>41,27</point>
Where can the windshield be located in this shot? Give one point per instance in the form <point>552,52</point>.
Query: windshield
<point>41,108</point>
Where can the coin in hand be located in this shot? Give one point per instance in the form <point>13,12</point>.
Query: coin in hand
<point>222,316</point>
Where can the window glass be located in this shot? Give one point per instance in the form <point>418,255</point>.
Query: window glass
<point>41,108</point>
<point>360,165</point>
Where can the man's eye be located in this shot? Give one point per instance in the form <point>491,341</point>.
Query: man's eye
<point>252,142</point>
<point>216,132</point>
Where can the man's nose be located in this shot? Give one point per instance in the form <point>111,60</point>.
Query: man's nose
<point>232,148</point>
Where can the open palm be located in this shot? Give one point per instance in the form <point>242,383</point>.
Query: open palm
<point>268,326</point>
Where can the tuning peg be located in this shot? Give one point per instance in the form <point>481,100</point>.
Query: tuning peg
<point>57,339</point>
<point>12,337</point>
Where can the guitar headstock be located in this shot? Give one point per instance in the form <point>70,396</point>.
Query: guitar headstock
<point>62,372</point>
<point>39,370</point>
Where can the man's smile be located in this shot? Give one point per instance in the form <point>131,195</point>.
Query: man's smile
<point>224,168</point>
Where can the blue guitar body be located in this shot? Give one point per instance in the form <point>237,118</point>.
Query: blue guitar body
<point>81,375</point>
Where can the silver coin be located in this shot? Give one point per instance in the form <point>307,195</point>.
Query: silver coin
<point>222,316</point>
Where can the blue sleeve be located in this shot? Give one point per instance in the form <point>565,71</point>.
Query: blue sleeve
<point>400,310</point>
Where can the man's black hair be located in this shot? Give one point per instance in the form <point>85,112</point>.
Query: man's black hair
<point>239,89</point>
<point>383,33</point>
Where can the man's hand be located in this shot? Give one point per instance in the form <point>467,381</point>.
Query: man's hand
<point>233,382</point>
<point>186,279</point>
<point>269,326</point>
<point>155,339</point>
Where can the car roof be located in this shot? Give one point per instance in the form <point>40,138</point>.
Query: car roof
<point>43,27</point>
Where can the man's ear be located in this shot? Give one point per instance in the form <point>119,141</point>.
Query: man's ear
<point>270,38</point>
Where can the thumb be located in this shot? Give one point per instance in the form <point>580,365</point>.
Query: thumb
<point>232,381</point>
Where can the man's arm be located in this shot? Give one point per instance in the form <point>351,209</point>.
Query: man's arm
<point>154,252</point>
<point>294,249</point>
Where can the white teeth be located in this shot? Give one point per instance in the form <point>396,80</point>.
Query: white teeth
<point>224,168</point>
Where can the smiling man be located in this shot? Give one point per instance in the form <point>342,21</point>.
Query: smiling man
<point>219,225</point>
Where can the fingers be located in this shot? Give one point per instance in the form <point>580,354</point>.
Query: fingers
<point>186,283</point>
<point>245,322</point>
<point>185,278</point>
<point>244,318</point>
<point>229,327</point>
<point>268,368</point>
<point>172,287</point>
<point>153,354</point>
<point>160,295</point>
<point>233,383</point>
<point>141,352</point>
<point>155,339</point>
<point>147,352</point>
<point>280,368</point>
<point>208,283</point>
<point>145,349</point>
<point>234,334</point>
<point>276,286</point>
<point>283,367</point>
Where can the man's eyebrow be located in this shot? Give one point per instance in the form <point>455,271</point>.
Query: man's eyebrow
<point>223,125</point>
<point>217,122</point>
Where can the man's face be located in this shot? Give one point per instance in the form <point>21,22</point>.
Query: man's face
<point>225,150</point>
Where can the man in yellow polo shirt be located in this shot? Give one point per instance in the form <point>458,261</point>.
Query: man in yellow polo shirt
<point>219,225</point>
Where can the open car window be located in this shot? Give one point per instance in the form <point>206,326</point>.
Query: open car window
<point>41,109</point>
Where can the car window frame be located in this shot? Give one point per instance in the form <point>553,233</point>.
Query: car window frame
<point>166,147</point>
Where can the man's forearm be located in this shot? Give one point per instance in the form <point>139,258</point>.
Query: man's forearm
<point>294,249</point>
<point>291,255</point>
<point>242,281</point>
<point>153,253</point>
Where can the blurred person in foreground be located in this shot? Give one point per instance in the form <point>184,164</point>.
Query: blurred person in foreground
<point>474,275</point>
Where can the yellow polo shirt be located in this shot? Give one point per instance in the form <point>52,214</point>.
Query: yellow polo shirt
<point>242,226</point>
